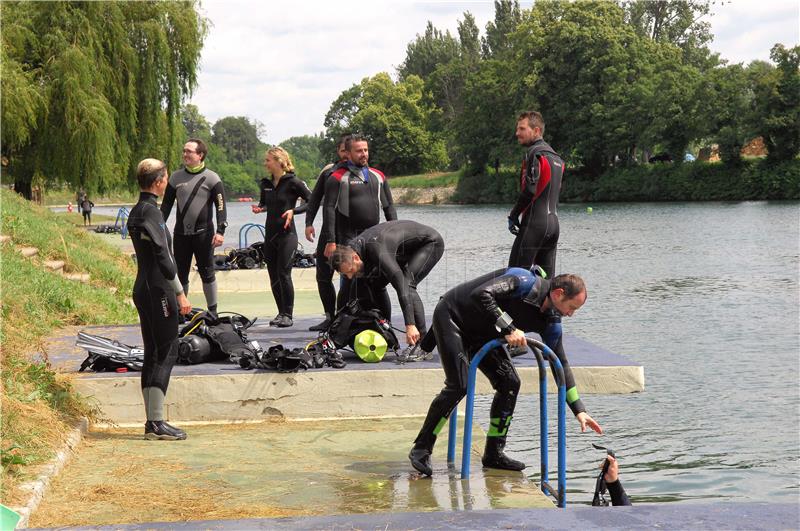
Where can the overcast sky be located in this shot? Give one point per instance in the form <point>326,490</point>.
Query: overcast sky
<point>284,62</point>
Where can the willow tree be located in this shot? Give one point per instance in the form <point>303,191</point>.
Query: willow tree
<point>89,88</point>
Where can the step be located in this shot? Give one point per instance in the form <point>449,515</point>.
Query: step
<point>5,238</point>
<point>78,277</point>
<point>28,251</point>
<point>54,265</point>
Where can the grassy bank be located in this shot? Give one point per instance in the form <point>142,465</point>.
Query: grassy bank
<point>39,405</point>
<point>754,179</point>
<point>426,180</point>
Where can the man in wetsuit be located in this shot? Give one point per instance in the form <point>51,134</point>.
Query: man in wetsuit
<point>540,185</point>
<point>327,293</point>
<point>355,194</point>
<point>158,296</point>
<point>199,192</point>
<point>400,253</point>
<point>502,304</point>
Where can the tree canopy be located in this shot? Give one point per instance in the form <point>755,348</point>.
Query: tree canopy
<point>89,88</point>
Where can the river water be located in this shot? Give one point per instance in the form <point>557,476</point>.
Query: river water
<point>705,296</point>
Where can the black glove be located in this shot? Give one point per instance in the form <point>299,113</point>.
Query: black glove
<point>513,225</point>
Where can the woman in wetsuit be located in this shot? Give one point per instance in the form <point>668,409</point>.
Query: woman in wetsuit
<point>278,197</point>
<point>158,296</point>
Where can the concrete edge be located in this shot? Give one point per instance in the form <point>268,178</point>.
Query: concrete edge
<point>317,395</point>
<point>38,487</point>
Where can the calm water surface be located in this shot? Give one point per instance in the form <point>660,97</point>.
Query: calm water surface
<point>705,297</point>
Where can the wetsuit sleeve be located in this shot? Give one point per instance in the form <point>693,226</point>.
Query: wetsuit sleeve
<point>168,201</point>
<point>389,211</point>
<point>156,230</point>
<point>391,270</point>
<point>302,191</point>
<point>487,294</point>
<point>220,207</point>
<point>618,494</point>
<point>316,198</point>
<point>526,194</point>
<point>329,210</point>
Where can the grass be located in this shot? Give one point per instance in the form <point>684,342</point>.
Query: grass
<point>38,404</point>
<point>426,180</point>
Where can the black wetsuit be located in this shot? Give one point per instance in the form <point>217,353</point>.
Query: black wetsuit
<point>327,293</point>
<point>198,195</point>
<point>540,185</point>
<point>400,253</point>
<point>354,198</point>
<point>86,207</point>
<point>618,494</point>
<point>154,294</point>
<point>465,319</point>
<point>280,245</point>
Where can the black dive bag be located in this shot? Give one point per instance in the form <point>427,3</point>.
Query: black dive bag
<point>353,319</point>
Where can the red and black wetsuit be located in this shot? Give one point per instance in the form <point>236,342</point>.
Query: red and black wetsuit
<point>354,198</point>
<point>280,245</point>
<point>540,185</point>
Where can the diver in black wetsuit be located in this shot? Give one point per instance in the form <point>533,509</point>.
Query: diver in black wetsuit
<point>502,304</point>
<point>327,293</point>
<point>158,296</point>
<point>400,253</point>
<point>278,197</point>
<point>540,185</point>
<point>199,192</point>
<point>355,194</point>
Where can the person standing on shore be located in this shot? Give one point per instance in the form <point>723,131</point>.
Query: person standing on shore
<point>86,209</point>
<point>279,197</point>
<point>199,192</point>
<point>540,185</point>
<point>327,293</point>
<point>158,295</point>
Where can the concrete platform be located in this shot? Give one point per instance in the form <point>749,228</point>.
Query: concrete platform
<point>245,280</point>
<point>222,391</point>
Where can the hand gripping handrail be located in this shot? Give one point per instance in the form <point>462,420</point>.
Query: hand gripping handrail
<point>246,229</point>
<point>540,351</point>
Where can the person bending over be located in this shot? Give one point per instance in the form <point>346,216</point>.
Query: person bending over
<point>400,253</point>
<point>503,304</point>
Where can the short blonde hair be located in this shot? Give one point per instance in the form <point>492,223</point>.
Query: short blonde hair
<point>149,171</point>
<point>282,156</point>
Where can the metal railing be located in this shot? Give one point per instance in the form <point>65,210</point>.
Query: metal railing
<point>540,351</point>
<point>246,229</point>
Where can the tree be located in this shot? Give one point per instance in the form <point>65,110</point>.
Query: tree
<point>195,123</point>
<point>780,111</point>
<point>729,118</point>
<point>91,87</point>
<point>306,155</point>
<point>507,17</point>
<point>237,136</point>
<point>427,52</point>
<point>395,117</point>
<point>678,22</point>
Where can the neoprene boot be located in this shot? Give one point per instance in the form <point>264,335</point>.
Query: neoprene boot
<point>493,456</point>
<point>284,321</point>
<point>324,325</point>
<point>420,456</point>
<point>160,430</point>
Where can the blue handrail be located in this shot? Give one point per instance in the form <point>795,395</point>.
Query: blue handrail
<point>122,221</point>
<point>246,229</point>
<point>538,349</point>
